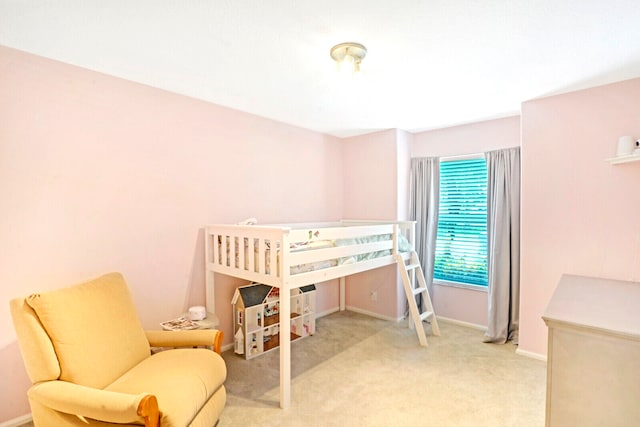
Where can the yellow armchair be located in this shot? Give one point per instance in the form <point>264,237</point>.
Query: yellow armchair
<point>90,362</point>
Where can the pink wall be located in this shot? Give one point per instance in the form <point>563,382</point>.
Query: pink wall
<point>579,213</point>
<point>468,139</point>
<point>376,187</point>
<point>100,174</point>
<point>370,176</point>
<point>458,303</point>
<point>371,192</point>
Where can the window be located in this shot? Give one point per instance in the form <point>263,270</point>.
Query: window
<point>461,243</point>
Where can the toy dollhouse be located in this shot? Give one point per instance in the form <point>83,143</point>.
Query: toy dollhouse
<point>256,317</point>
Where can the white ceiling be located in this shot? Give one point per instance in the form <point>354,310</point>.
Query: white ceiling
<point>430,63</point>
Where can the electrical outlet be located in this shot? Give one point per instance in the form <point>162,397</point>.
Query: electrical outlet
<point>374,295</point>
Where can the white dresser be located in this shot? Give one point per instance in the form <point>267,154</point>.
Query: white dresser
<point>593,365</point>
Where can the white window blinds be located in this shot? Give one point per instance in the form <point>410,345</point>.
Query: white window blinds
<point>461,244</point>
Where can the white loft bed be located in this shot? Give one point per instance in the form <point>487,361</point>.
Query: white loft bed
<point>305,254</point>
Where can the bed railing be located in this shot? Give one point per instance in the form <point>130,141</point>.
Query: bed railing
<point>304,253</point>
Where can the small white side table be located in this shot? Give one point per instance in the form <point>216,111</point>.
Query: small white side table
<point>209,322</point>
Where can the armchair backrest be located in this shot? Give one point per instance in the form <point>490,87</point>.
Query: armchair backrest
<point>87,334</point>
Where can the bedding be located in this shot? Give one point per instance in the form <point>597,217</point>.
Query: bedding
<point>403,246</point>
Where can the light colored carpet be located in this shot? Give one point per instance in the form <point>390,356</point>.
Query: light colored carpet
<point>362,371</point>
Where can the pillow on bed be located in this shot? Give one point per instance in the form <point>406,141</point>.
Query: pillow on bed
<point>403,244</point>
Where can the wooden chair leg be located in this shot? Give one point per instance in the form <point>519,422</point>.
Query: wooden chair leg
<point>217,345</point>
<point>148,409</point>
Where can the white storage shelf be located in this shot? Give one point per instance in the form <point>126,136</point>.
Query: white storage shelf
<point>257,317</point>
<point>624,159</point>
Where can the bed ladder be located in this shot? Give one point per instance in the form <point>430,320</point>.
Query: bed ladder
<point>409,272</point>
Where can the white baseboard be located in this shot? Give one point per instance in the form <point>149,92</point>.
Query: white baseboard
<point>16,422</point>
<point>374,314</point>
<point>19,421</point>
<point>462,323</point>
<point>531,355</point>
<point>327,312</point>
<point>524,353</point>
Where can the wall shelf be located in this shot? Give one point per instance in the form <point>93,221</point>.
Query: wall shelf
<point>624,159</point>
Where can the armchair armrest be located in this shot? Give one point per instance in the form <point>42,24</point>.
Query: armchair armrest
<point>102,405</point>
<point>206,337</point>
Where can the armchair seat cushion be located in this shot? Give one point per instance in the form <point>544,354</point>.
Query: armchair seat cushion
<point>183,381</point>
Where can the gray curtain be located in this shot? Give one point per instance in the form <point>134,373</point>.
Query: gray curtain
<point>423,208</point>
<point>503,235</point>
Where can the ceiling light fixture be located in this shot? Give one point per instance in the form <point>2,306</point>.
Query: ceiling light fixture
<point>348,56</point>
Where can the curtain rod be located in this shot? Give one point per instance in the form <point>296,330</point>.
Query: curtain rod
<point>462,157</point>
